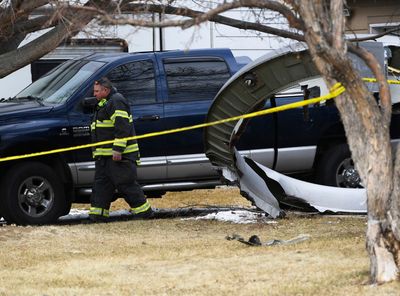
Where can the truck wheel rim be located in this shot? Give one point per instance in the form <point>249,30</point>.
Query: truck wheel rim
<point>35,196</point>
<point>347,176</point>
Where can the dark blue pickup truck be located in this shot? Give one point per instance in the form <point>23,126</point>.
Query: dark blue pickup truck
<point>167,90</point>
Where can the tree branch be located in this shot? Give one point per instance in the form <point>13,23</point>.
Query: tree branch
<point>29,6</point>
<point>35,24</point>
<point>15,4</point>
<point>199,17</point>
<point>22,11</point>
<point>337,24</point>
<point>396,29</point>
<point>186,12</point>
<point>35,49</point>
<point>294,22</point>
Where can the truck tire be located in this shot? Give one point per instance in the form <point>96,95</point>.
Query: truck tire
<point>336,168</point>
<point>31,193</point>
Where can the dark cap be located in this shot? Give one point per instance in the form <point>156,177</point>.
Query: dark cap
<point>105,82</point>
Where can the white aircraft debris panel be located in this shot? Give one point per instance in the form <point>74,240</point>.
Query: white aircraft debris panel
<point>247,91</point>
<point>267,187</point>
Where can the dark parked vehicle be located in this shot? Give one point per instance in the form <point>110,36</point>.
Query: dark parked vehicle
<point>167,90</point>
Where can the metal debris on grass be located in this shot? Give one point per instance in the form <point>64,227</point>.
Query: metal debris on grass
<point>254,240</point>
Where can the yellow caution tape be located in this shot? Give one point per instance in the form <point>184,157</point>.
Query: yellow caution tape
<point>374,80</point>
<point>336,90</point>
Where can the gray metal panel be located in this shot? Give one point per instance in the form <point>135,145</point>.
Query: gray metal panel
<point>273,72</point>
<point>376,48</point>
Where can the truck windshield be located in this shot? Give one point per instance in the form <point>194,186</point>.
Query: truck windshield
<point>59,84</point>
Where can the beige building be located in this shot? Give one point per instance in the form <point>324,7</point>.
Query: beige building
<point>372,16</point>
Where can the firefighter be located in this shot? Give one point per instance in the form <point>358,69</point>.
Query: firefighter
<point>115,163</point>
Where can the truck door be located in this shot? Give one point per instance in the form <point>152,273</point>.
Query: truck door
<point>191,85</point>
<point>297,131</point>
<point>259,137</point>
<point>138,82</point>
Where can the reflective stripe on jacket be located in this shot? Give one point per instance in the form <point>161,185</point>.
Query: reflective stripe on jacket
<point>113,121</point>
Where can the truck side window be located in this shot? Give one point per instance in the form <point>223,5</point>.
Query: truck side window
<point>195,80</point>
<point>135,81</point>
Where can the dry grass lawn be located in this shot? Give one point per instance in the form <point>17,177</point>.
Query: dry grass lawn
<point>188,257</point>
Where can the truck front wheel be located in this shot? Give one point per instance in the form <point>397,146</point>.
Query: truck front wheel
<point>32,194</point>
<point>336,168</point>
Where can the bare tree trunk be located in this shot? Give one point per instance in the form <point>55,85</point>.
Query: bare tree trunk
<point>367,130</point>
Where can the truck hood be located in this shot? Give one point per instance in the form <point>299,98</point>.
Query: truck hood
<point>15,109</point>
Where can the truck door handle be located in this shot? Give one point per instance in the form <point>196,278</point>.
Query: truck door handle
<point>149,117</point>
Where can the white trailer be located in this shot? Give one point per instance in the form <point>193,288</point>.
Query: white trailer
<point>207,35</point>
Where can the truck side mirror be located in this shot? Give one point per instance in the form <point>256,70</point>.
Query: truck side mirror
<point>89,104</point>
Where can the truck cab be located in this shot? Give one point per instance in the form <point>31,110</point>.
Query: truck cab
<point>166,90</point>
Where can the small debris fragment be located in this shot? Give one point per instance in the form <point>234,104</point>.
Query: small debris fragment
<point>254,240</point>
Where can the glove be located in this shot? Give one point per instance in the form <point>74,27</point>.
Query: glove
<point>116,156</point>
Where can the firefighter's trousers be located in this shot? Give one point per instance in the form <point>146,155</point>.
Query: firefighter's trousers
<point>116,175</point>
